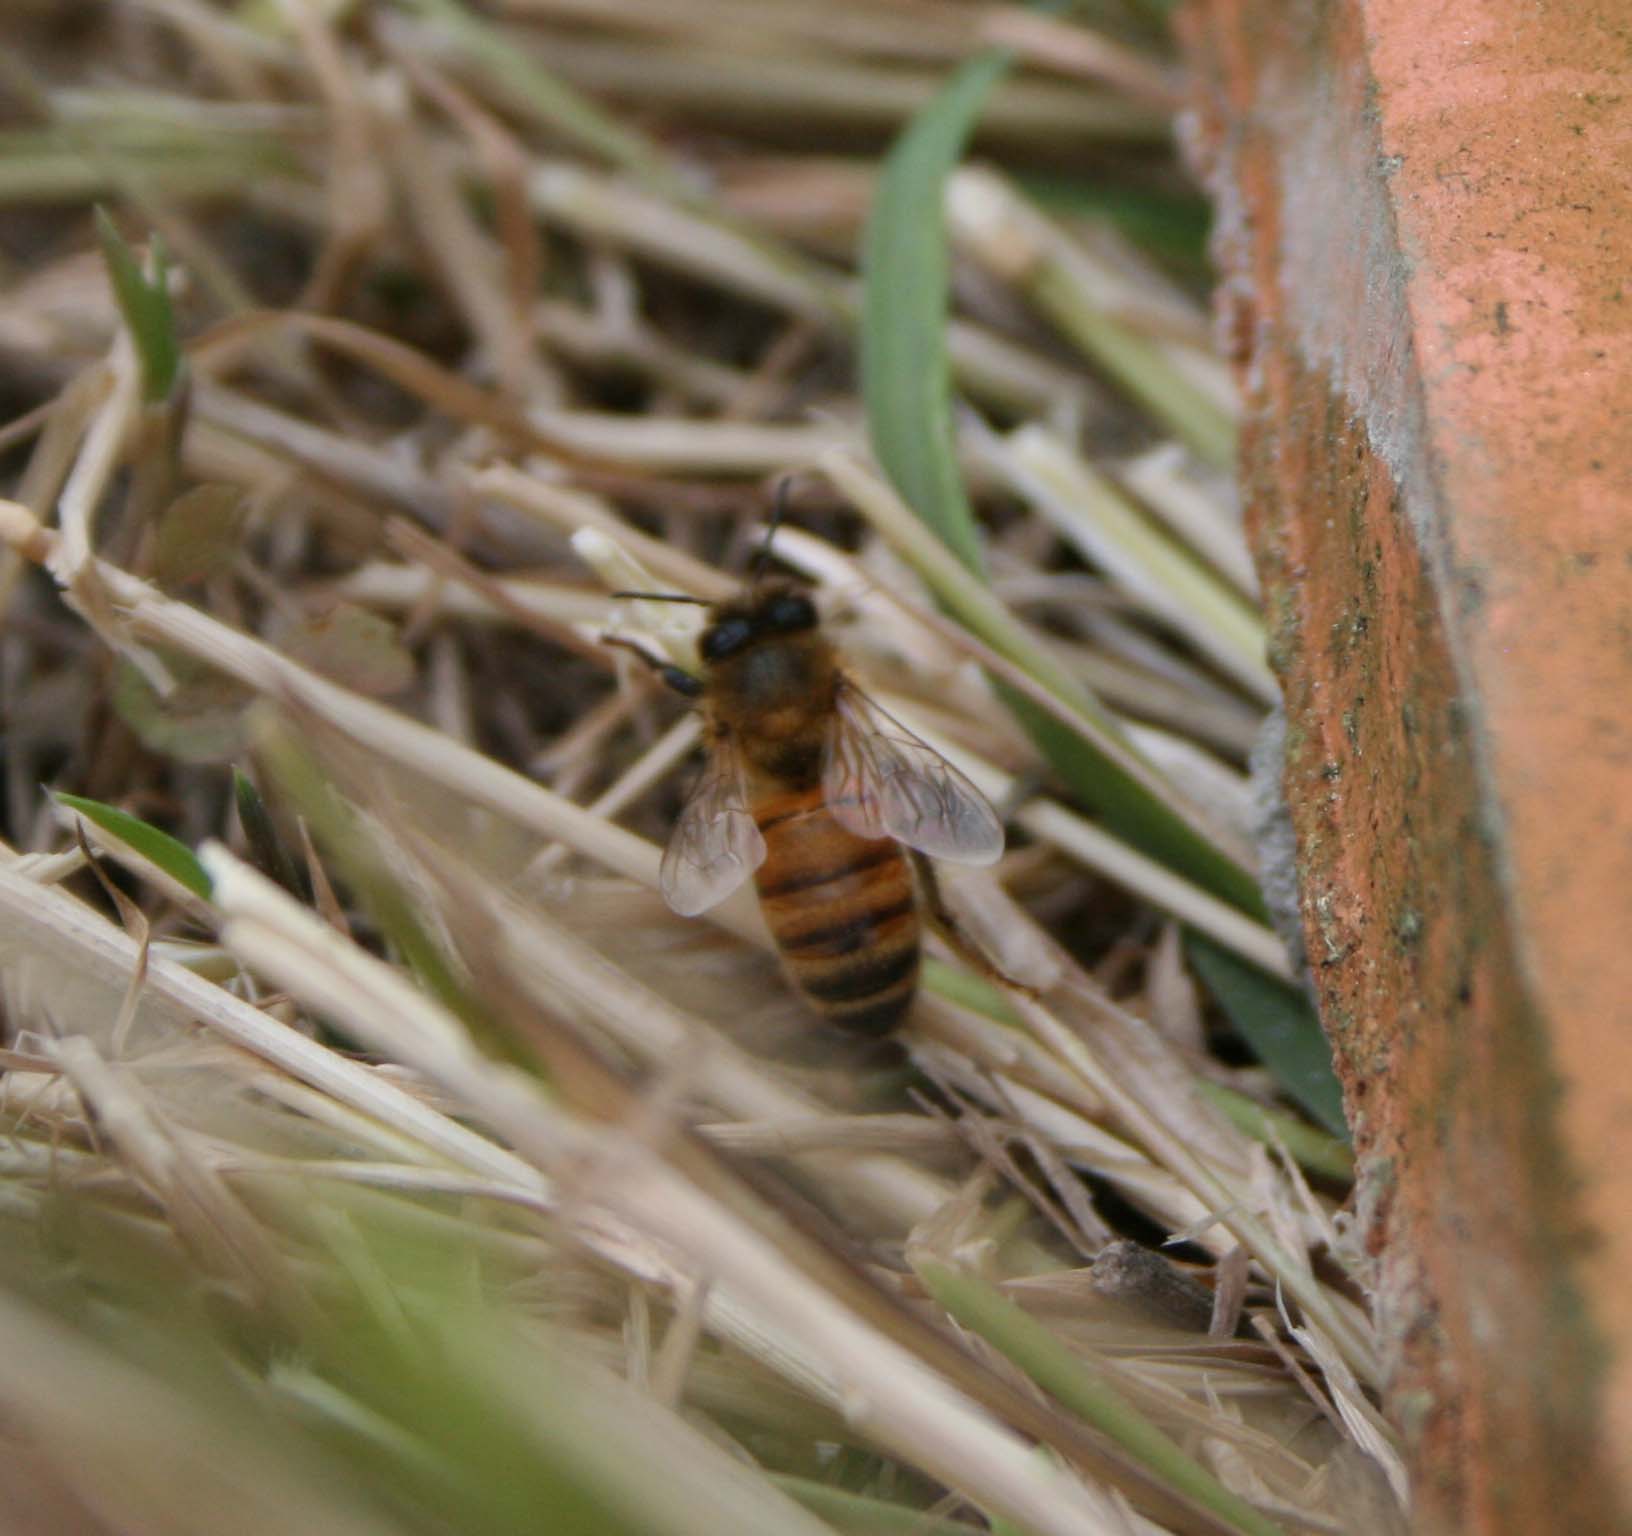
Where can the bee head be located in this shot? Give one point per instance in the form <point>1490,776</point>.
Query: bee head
<point>763,613</point>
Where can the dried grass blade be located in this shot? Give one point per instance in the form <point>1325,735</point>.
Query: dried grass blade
<point>888,1391</point>
<point>1041,1355</point>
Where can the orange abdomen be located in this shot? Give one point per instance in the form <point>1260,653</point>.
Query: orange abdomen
<point>842,910</point>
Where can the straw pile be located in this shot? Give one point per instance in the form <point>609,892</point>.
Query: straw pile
<point>381,1154</point>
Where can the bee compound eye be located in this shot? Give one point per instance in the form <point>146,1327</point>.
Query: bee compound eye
<point>722,639</point>
<point>792,612</point>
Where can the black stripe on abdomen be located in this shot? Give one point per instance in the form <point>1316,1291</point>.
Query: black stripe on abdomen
<point>876,1017</point>
<point>855,931</point>
<point>844,915</point>
<point>863,977</point>
<point>871,857</point>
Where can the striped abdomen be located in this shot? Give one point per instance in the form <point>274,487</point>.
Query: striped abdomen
<point>842,910</point>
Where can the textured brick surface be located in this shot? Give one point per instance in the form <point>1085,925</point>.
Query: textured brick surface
<point>1426,238</point>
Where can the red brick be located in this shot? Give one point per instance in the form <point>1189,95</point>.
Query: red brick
<point>1426,243</point>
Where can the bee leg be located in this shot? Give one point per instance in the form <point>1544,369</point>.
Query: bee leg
<point>677,678</point>
<point>935,907</point>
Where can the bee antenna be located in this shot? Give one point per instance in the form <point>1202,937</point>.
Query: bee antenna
<point>662,597</point>
<point>779,511</point>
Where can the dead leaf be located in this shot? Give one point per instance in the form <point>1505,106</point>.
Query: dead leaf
<point>351,646</point>
<point>199,534</point>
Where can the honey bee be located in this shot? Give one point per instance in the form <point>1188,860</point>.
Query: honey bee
<point>828,802</point>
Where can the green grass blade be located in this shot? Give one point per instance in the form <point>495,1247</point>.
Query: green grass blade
<point>1280,1026</point>
<point>515,75</point>
<point>1171,226</point>
<point>1329,1156</point>
<point>906,376</point>
<point>572,114</point>
<point>61,166</point>
<point>1127,807</point>
<point>857,1515</point>
<point>906,383</point>
<point>266,846</point>
<point>145,304</point>
<point>1138,367</point>
<point>174,858</point>
<point>1087,1392</point>
<point>1164,575</point>
<point>1085,748</point>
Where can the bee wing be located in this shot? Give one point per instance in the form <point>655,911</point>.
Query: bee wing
<point>716,844</point>
<point>882,781</point>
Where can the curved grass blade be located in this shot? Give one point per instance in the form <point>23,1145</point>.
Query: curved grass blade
<point>906,384</point>
<point>1280,1026</point>
<point>175,858</point>
<point>906,377</point>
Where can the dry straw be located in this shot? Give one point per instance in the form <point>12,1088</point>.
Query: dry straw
<point>450,1181</point>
